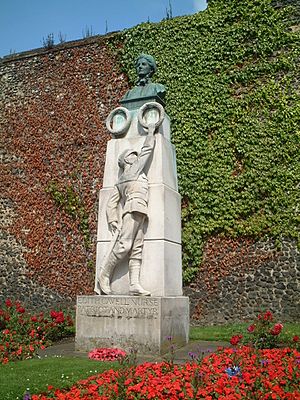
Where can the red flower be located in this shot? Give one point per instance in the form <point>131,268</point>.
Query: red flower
<point>251,328</point>
<point>53,314</point>
<point>235,339</point>
<point>21,336</point>
<point>60,317</point>
<point>268,316</point>
<point>32,333</point>
<point>296,339</point>
<point>277,328</point>
<point>106,354</point>
<point>8,303</point>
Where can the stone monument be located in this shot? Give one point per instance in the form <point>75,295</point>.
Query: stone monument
<point>138,281</point>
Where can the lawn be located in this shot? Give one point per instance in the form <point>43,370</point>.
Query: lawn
<point>37,374</point>
<point>225,332</point>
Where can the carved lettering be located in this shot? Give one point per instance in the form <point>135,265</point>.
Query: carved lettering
<point>118,307</point>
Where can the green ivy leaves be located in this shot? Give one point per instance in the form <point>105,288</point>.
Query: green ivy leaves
<point>68,200</point>
<point>234,101</point>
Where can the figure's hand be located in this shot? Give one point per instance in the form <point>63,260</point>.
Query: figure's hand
<point>113,226</point>
<point>151,129</point>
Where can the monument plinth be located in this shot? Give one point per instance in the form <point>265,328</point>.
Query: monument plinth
<point>142,323</point>
<point>138,280</point>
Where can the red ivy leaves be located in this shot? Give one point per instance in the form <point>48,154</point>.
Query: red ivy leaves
<point>54,132</point>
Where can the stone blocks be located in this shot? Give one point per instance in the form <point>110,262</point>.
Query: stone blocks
<point>141,323</point>
<point>159,275</point>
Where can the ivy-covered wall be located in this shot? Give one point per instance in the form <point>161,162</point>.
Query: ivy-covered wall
<point>53,108</point>
<point>232,74</point>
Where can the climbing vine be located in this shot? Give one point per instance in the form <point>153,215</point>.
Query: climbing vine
<point>232,74</point>
<point>53,131</point>
<point>69,201</point>
<point>233,78</point>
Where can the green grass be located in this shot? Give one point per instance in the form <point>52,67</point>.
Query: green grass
<point>62,372</point>
<point>37,374</point>
<point>225,332</point>
<point>216,333</point>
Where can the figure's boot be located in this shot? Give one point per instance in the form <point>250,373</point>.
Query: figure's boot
<point>135,289</point>
<point>106,272</point>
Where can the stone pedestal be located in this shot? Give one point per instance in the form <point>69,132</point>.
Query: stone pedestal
<point>141,323</point>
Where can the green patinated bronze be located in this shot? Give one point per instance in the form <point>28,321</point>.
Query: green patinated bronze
<point>145,89</point>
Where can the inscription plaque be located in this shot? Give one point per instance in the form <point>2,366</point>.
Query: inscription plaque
<point>114,307</point>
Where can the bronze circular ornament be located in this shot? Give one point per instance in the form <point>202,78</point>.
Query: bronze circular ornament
<point>148,108</point>
<point>120,117</point>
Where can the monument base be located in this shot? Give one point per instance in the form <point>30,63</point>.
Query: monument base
<point>128,322</point>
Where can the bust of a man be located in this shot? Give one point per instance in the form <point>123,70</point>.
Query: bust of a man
<point>145,67</point>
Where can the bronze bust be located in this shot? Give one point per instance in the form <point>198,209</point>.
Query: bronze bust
<point>145,67</point>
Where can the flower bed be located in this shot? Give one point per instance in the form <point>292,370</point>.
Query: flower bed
<point>107,354</point>
<point>265,333</point>
<point>23,333</point>
<point>229,374</point>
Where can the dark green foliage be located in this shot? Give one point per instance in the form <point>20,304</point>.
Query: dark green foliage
<point>69,201</point>
<point>233,78</point>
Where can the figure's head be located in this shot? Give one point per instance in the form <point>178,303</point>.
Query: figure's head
<point>145,66</point>
<point>127,157</point>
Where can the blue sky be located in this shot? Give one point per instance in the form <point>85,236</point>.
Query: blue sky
<point>25,23</point>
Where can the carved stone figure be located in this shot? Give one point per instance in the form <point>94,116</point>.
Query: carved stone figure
<point>131,193</point>
<point>145,67</point>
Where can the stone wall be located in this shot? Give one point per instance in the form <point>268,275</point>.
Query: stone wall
<point>53,106</point>
<point>13,278</point>
<point>238,280</point>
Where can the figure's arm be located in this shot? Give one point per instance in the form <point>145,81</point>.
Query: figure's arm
<point>146,151</point>
<point>112,210</point>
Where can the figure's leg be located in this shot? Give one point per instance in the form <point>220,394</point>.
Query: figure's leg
<point>135,259</point>
<point>121,248</point>
<point>106,272</point>
<point>135,288</point>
